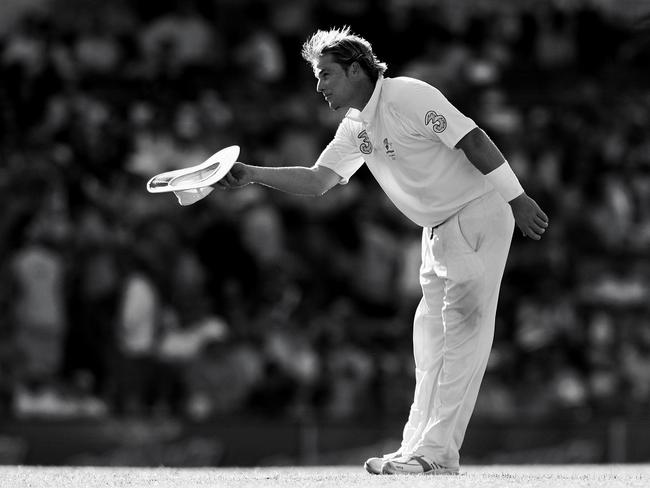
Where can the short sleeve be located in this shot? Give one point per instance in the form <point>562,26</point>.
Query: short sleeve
<point>342,154</point>
<point>430,114</point>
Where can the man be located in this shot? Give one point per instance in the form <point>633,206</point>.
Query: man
<point>447,176</point>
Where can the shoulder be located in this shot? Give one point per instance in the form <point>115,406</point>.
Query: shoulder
<point>348,128</point>
<point>404,88</point>
<point>405,83</point>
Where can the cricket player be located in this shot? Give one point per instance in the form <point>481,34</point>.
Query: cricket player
<point>446,175</point>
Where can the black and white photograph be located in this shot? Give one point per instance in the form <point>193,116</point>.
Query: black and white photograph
<point>324,243</point>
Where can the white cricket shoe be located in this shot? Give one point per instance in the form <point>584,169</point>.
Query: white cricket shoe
<point>374,464</point>
<point>415,464</point>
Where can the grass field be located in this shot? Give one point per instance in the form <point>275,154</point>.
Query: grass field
<point>605,476</point>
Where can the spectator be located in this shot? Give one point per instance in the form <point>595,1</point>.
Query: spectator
<point>39,315</point>
<point>111,287</point>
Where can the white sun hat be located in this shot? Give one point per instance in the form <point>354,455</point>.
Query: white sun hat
<point>195,182</point>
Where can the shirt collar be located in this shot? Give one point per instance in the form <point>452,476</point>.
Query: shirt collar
<point>368,112</point>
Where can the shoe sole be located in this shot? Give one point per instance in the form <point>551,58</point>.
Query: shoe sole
<point>386,469</point>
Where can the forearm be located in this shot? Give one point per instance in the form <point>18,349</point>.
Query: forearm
<point>481,151</point>
<point>298,180</point>
<point>486,157</point>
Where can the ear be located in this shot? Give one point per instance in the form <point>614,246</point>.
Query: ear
<point>355,69</point>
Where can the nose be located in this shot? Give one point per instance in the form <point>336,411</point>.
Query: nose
<point>319,86</point>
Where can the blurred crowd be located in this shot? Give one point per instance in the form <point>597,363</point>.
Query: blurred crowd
<point>114,301</point>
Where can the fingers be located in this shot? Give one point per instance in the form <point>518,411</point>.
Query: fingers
<point>230,181</point>
<point>226,182</point>
<point>538,229</point>
<point>531,234</point>
<point>532,220</point>
<point>542,215</point>
<point>541,221</point>
<point>539,225</point>
<point>534,231</point>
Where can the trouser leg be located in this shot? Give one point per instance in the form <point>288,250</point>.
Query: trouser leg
<point>470,253</point>
<point>427,351</point>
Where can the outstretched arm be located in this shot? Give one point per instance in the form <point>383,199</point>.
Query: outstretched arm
<point>299,180</point>
<point>486,157</point>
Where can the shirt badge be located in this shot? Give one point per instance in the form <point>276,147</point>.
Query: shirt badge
<point>390,152</point>
<point>366,146</point>
<point>437,121</point>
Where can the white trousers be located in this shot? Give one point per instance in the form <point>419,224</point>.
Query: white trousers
<point>463,261</point>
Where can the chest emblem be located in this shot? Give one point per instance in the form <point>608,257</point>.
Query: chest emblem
<point>366,146</point>
<point>390,152</point>
<point>438,122</point>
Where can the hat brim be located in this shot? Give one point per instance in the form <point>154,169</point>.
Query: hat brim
<point>201,175</point>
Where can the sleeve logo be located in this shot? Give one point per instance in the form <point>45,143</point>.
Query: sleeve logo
<point>366,146</point>
<point>438,122</point>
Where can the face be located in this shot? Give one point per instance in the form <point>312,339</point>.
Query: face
<point>335,83</point>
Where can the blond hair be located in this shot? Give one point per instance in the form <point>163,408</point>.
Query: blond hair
<point>346,48</point>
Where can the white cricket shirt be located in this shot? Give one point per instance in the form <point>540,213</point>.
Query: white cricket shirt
<point>406,135</point>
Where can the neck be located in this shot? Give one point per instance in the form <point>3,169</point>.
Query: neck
<point>366,89</point>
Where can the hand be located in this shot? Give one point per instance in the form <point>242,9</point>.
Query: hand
<point>239,175</point>
<point>530,219</point>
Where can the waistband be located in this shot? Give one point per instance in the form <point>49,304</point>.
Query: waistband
<point>489,194</point>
